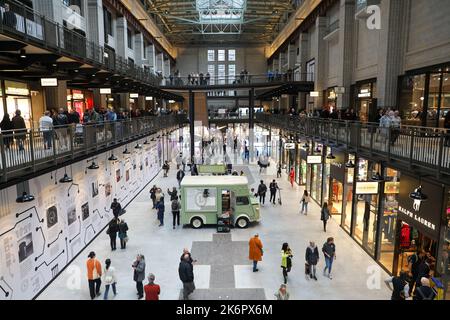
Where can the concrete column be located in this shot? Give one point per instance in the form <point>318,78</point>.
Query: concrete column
<point>95,25</point>
<point>56,97</point>
<point>191,122</point>
<point>138,48</point>
<point>251,122</point>
<point>99,99</point>
<point>391,50</point>
<point>302,59</point>
<point>159,62</point>
<point>320,59</point>
<point>291,56</point>
<point>121,38</point>
<point>346,36</point>
<point>151,56</point>
<point>167,70</point>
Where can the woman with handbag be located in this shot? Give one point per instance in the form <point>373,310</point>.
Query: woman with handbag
<point>123,228</point>
<point>109,277</point>
<point>325,215</point>
<point>304,203</point>
<point>286,260</point>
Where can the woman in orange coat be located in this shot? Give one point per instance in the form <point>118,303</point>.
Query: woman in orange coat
<point>292,177</point>
<point>255,251</point>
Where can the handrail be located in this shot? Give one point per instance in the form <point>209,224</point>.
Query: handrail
<point>421,147</point>
<point>29,150</point>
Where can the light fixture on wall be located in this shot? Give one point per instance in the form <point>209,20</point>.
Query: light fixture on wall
<point>138,146</point>
<point>126,151</point>
<point>66,179</point>
<point>93,166</point>
<point>377,177</point>
<point>350,164</point>
<point>145,142</point>
<point>25,197</point>
<point>305,146</point>
<point>331,156</point>
<point>112,157</point>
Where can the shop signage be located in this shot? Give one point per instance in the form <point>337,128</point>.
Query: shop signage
<point>366,187</point>
<point>314,159</point>
<point>78,96</point>
<point>391,187</point>
<point>337,166</point>
<point>49,82</point>
<point>105,91</point>
<point>134,95</point>
<point>425,215</point>
<point>314,94</point>
<point>149,98</point>
<point>339,90</point>
<point>289,146</point>
<point>17,91</point>
<point>364,93</point>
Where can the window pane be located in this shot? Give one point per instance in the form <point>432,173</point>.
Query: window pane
<point>221,74</point>
<point>211,71</point>
<point>242,201</point>
<point>210,55</point>
<point>231,55</point>
<point>412,98</point>
<point>231,73</point>
<point>198,199</point>
<point>221,55</point>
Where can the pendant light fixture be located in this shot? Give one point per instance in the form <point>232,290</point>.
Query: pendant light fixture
<point>417,194</point>
<point>112,157</point>
<point>25,197</point>
<point>350,164</point>
<point>126,151</point>
<point>93,166</point>
<point>377,177</point>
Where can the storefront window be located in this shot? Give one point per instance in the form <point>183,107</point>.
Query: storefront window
<point>316,181</point>
<point>445,97</point>
<point>386,242</point>
<point>18,98</point>
<point>412,98</point>
<point>347,208</point>
<point>366,209</point>
<point>331,99</point>
<point>326,185</point>
<point>443,264</point>
<point>433,99</point>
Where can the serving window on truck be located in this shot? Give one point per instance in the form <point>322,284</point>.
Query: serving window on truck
<point>201,199</point>
<point>242,201</point>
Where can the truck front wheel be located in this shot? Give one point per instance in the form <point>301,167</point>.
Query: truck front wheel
<point>242,223</point>
<point>196,223</point>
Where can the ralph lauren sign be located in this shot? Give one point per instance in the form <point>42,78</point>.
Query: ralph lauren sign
<point>420,205</point>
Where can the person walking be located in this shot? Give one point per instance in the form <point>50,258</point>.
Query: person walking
<point>166,168</point>
<point>262,189</point>
<point>180,176</point>
<point>312,258</point>
<point>116,208</point>
<point>292,177</point>
<point>304,202</point>
<point>113,229</point>
<point>160,207</point>
<point>139,274</point>
<point>176,206</point>
<point>6,126</point>
<point>94,273</point>
<point>273,187</point>
<point>153,195</point>
<point>152,290</point>
<point>109,278</point>
<point>400,286</point>
<point>46,127</point>
<point>123,236</point>
<point>186,274</point>
<point>286,260</point>
<point>255,251</point>
<point>395,126</point>
<point>329,252</point>
<point>20,129</point>
<point>282,293</point>
<point>279,171</point>
<point>325,215</point>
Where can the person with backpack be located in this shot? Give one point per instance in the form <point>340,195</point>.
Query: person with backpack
<point>109,278</point>
<point>180,176</point>
<point>139,274</point>
<point>329,252</point>
<point>176,206</point>
<point>311,259</point>
<point>160,207</point>
<point>173,194</point>
<point>116,208</point>
<point>123,236</point>
<point>94,273</point>
<point>273,187</point>
<point>400,286</point>
<point>424,292</point>
<point>262,189</point>
<point>286,260</point>
<point>325,215</point>
<point>305,201</point>
<point>113,229</point>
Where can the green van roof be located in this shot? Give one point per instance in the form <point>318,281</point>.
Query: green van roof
<point>209,181</point>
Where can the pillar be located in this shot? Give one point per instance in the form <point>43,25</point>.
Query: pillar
<point>319,52</point>
<point>251,122</point>
<point>121,37</point>
<point>95,27</point>
<point>56,97</point>
<point>191,122</point>
<point>302,59</point>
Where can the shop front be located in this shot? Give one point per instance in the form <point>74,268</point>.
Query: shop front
<point>79,100</point>
<point>330,99</point>
<point>346,221</point>
<point>420,211</point>
<point>334,192</point>
<point>302,156</point>
<point>315,163</point>
<point>424,97</point>
<point>16,96</point>
<point>366,100</point>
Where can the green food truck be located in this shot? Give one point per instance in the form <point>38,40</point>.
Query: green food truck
<point>207,199</point>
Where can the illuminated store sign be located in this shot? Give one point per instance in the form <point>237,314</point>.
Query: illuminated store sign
<point>391,187</point>
<point>17,91</point>
<point>49,82</point>
<point>314,159</point>
<point>289,146</point>
<point>367,187</point>
<point>134,95</point>
<point>105,91</point>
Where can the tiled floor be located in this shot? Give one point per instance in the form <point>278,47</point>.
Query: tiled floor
<point>356,275</point>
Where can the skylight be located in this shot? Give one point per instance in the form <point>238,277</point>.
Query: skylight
<point>221,11</point>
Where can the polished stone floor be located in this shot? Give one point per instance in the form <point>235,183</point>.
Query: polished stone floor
<point>223,270</point>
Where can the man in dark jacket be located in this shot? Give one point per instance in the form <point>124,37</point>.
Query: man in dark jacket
<point>20,129</point>
<point>273,191</point>
<point>153,195</point>
<point>311,258</point>
<point>160,207</point>
<point>113,228</point>
<point>116,208</point>
<point>329,251</point>
<point>176,206</point>
<point>400,286</point>
<point>186,273</point>
<point>173,194</point>
<point>262,189</point>
<point>9,17</point>
<point>180,176</point>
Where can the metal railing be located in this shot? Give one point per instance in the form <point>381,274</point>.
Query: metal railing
<point>421,147</point>
<point>203,80</point>
<point>26,151</point>
<point>32,27</point>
